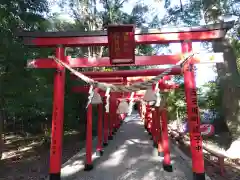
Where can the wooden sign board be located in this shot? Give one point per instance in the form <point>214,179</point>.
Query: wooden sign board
<point>121,44</point>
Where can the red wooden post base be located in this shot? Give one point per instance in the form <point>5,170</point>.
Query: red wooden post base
<point>167,167</point>
<point>199,176</point>
<point>116,117</point>
<point>114,124</point>
<point>110,135</point>
<point>88,167</point>
<point>100,127</point>
<point>105,133</point>
<point>149,127</point>
<point>155,131</point>
<point>145,118</point>
<point>54,176</point>
<point>159,133</point>
<point>167,160</point>
<point>152,124</point>
<point>105,141</point>
<point>88,163</point>
<point>105,144</point>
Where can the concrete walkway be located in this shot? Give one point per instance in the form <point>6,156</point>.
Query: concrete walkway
<point>130,156</point>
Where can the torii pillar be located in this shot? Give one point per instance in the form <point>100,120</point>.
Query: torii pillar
<point>193,116</point>
<point>57,119</point>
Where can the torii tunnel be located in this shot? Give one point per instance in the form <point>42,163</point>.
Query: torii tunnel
<point>121,41</point>
<point>111,127</point>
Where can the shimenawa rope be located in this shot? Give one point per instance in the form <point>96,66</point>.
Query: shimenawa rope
<point>122,88</point>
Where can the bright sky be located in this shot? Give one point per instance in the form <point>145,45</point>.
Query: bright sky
<point>204,72</point>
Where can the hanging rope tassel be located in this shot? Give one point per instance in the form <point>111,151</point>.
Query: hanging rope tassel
<point>130,107</point>
<point>96,98</point>
<point>123,107</point>
<point>149,95</point>
<point>90,96</point>
<point>107,95</point>
<point>121,88</point>
<point>158,95</point>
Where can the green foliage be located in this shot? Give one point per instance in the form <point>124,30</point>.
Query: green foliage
<point>211,99</point>
<point>27,93</point>
<point>177,103</point>
<point>19,85</point>
<point>236,47</point>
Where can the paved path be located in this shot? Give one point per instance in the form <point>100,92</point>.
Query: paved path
<point>130,156</point>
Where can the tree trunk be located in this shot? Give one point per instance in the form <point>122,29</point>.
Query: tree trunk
<point>229,81</point>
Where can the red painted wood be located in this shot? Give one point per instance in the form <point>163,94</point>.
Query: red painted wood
<point>158,38</point>
<point>105,126</point>
<point>106,80</point>
<point>89,136</point>
<point>57,116</point>
<point>131,73</point>
<point>100,127</point>
<point>165,140</point>
<point>105,61</point>
<point>117,116</point>
<point>193,114</point>
<point>111,122</point>
<point>120,81</point>
<point>85,89</point>
<point>159,130</point>
<point>124,79</point>
<point>154,124</point>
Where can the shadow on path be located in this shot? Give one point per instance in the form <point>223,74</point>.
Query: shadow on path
<point>130,156</point>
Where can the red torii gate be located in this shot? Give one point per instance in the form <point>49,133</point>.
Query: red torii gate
<point>115,122</point>
<point>124,80</point>
<point>101,38</point>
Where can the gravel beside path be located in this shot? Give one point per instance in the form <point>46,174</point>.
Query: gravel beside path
<point>34,165</point>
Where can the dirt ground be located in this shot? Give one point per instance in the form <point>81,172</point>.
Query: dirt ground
<point>30,161</point>
<point>213,171</point>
